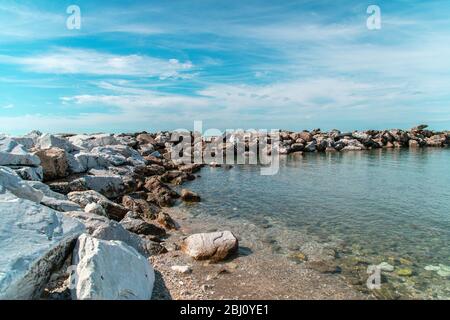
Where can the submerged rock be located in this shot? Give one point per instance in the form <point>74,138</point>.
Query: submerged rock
<point>189,196</point>
<point>215,246</point>
<point>110,270</point>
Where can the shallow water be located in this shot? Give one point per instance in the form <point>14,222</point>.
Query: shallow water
<point>380,206</point>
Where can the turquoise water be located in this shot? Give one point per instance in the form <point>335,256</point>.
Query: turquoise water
<point>381,206</point>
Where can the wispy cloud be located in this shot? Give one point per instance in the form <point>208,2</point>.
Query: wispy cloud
<point>8,106</point>
<point>90,62</point>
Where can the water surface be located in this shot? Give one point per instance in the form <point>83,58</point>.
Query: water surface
<point>383,206</point>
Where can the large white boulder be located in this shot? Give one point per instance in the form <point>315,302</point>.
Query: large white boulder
<point>88,160</point>
<point>110,270</point>
<point>34,241</point>
<point>10,181</point>
<point>88,142</point>
<point>119,155</point>
<point>14,154</point>
<point>47,141</point>
<point>106,229</point>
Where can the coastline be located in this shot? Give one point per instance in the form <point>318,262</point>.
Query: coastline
<point>130,182</point>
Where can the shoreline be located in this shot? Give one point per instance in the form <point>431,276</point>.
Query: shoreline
<point>105,183</point>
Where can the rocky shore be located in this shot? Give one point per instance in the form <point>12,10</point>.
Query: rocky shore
<point>88,216</point>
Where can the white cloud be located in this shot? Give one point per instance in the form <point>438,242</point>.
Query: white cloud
<point>8,106</point>
<point>90,62</point>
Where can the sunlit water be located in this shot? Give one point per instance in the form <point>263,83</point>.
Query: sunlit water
<point>384,206</point>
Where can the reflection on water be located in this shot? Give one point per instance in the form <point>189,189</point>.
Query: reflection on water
<point>385,205</point>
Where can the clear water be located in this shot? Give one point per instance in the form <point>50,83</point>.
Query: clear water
<point>384,206</point>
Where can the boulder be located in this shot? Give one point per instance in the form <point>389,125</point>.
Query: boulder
<point>95,208</point>
<point>84,161</point>
<point>14,154</point>
<point>140,226</point>
<point>215,246</point>
<point>49,141</point>
<point>10,181</point>
<point>189,196</point>
<point>54,163</point>
<point>119,155</point>
<point>34,241</point>
<point>113,210</point>
<point>145,138</point>
<point>166,221</point>
<point>30,173</point>
<point>110,270</point>
<point>88,142</point>
<point>311,146</point>
<point>106,229</point>
<point>59,204</point>
<point>111,186</point>
<point>139,205</point>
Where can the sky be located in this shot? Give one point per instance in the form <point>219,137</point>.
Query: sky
<point>161,65</point>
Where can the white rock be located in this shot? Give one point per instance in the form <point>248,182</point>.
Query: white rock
<point>119,155</point>
<point>86,160</point>
<point>34,240</point>
<point>106,229</point>
<point>215,246</point>
<point>14,154</point>
<point>95,208</point>
<point>110,270</point>
<point>45,189</point>
<point>48,141</point>
<point>384,266</point>
<point>60,205</point>
<point>182,269</point>
<point>10,181</point>
<point>108,185</point>
<point>88,142</point>
<point>76,165</point>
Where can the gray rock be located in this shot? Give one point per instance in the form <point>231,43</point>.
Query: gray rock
<point>140,226</point>
<point>34,240</point>
<point>30,173</point>
<point>48,141</point>
<point>60,205</point>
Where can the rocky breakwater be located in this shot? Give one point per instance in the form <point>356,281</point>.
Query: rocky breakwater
<point>335,140</point>
<point>81,214</point>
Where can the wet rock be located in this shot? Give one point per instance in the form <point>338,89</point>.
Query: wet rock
<point>214,246</point>
<point>111,270</point>
<point>404,272</point>
<point>189,196</point>
<point>311,146</point>
<point>384,266</point>
<point>166,221</point>
<point>36,241</point>
<point>160,193</point>
<point>54,163</point>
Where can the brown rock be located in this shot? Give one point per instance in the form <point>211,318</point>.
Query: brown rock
<point>135,202</point>
<point>54,163</point>
<point>189,196</point>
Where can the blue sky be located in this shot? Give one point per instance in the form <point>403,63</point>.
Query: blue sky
<point>157,65</point>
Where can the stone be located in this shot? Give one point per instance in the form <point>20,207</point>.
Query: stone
<point>295,147</point>
<point>311,146</point>
<point>214,246</point>
<point>95,208</point>
<point>384,266</point>
<point>14,154</point>
<point>106,229</point>
<point>11,182</point>
<point>45,189</point>
<point>166,221</point>
<point>111,186</point>
<point>84,161</point>
<point>189,196</point>
<point>119,155</point>
<point>113,210</point>
<point>30,173</point>
<point>182,269</point>
<point>135,203</point>
<point>140,226</point>
<point>35,242</point>
<point>404,272</point>
<point>60,205</point>
<point>54,163</point>
<point>49,141</point>
<point>160,193</point>
<point>306,136</point>
<point>110,270</point>
<point>145,138</point>
<point>88,142</point>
